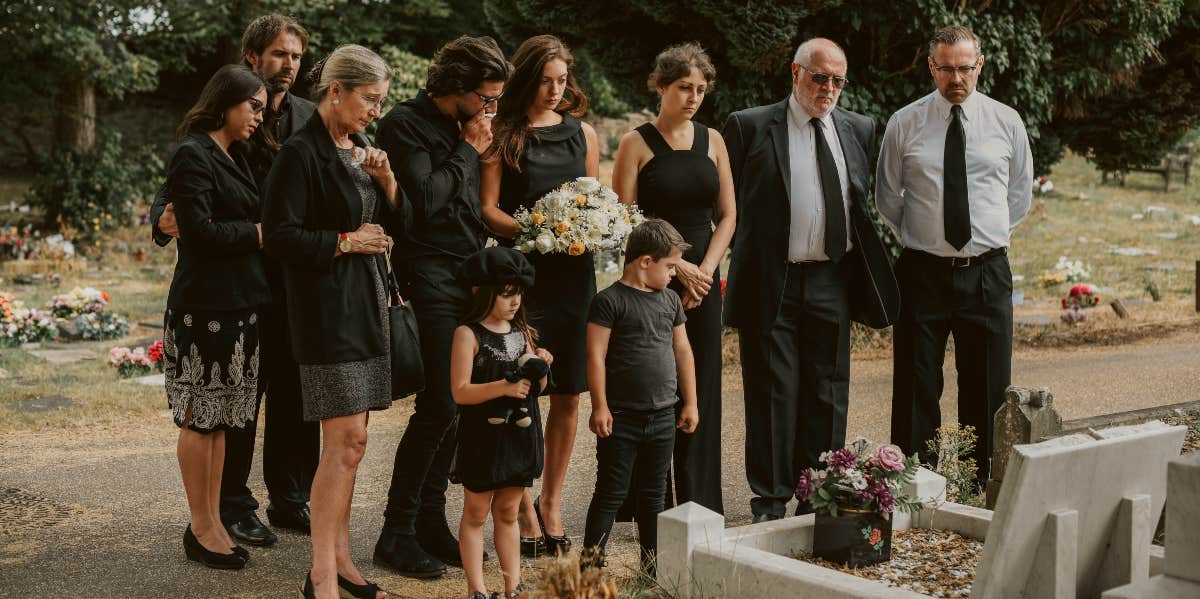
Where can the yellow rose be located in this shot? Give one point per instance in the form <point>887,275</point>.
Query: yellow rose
<point>581,200</point>
<point>537,218</point>
<point>576,248</point>
<point>562,227</point>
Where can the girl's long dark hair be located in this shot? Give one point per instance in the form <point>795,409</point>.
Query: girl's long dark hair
<point>512,125</point>
<point>484,297</point>
<point>231,85</point>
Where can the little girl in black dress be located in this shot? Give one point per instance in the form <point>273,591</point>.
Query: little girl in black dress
<point>495,463</point>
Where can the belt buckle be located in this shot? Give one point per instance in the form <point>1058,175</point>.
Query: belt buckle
<point>960,262</point>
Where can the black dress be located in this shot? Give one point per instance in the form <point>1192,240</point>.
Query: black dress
<point>565,285</point>
<point>495,456</point>
<point>681,187</point>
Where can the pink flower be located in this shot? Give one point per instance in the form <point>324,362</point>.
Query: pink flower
<point>117,355</point>
<point>805,488</point>
<point>876,536</point>
<point>890,457</point>
<point>842,459</point>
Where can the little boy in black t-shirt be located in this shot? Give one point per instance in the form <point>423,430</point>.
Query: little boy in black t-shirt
<point>638,356</point>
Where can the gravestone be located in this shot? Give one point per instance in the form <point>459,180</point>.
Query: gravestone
<point>1027,416</point>
<point>1075,516</point>
<point>48,403</point>
<point>1181,576</point>
<point>63,356</point>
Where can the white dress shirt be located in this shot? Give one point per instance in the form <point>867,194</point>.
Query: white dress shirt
<point>908,183</point>
<point>806,236</point>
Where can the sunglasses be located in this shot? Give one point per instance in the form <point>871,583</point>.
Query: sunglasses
<point>821,79</point>
<point>488,99</point>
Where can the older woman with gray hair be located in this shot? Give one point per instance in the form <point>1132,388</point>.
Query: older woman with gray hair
<point>326,196</point>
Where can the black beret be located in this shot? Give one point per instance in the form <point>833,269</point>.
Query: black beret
<point>496,266</point>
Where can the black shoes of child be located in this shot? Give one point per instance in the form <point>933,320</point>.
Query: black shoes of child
<point>554,545</point>
<point>533,546</point>
<point>235,560</point>
<point>402,553</point>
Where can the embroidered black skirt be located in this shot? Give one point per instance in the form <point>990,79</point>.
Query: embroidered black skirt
<point>211,363</point>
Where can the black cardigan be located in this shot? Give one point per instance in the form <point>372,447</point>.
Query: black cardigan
<point>219,265</point>
<point>333,312</point>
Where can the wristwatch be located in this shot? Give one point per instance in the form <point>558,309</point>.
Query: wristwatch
<point>344,243</point>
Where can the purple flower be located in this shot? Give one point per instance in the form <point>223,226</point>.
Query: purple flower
<point>842,459</point>
<point>805,488</point>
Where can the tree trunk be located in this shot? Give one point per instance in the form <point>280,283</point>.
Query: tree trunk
<point>75,114</point>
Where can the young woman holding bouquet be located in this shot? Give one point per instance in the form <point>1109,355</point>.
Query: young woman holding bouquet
<point>540,143</point>
<point>678,170</point>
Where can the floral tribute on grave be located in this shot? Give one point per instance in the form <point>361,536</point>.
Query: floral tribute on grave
<point>854,498</point>
<point>19,324</point>
<point>136,362</point>
<point>1081,297</point>
<point>83,312</point>
<point>938,563</point>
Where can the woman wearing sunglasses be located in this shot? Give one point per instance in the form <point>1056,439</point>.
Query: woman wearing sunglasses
<point>210,332</point>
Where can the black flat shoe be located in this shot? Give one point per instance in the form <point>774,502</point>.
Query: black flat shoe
<point>298,519</point>
<point>218,561</point>
<point>533,546</point>
<point>555,545</point>
<point>307,591</point>
<point>349,590</point>
<point>239,550</point>
<point>251,531</point>
<point>405,556</point>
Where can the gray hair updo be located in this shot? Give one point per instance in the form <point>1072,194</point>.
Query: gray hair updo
<point>352,65</point>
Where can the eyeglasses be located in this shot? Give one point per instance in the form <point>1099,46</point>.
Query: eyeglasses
<point>948,70</point>
<point>488,99</point>
<point>256,106</point>
<point>822,78</point>
<point>380,103</point>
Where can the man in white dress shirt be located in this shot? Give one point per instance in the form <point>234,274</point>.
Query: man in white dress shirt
<point>806,261</point>
<point>955,177</point>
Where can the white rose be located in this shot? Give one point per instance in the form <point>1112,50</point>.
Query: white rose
<point>609,195</point>
<point>562,243</point>
<point>587,184</point>
<point>544,243</point>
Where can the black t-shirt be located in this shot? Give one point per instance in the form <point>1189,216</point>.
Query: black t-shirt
<point>639,370</point>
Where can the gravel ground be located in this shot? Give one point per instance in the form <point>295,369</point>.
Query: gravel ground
<point>99,512</point>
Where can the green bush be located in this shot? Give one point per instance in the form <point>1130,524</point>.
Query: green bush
<point>88,194</point>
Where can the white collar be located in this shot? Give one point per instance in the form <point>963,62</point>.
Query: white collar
<point>970,106</point>
<point>800,116</point>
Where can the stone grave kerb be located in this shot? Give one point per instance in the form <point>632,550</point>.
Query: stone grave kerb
<point>1027,416</point>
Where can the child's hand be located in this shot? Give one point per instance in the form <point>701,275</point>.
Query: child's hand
<point>544,355</point>
<point>688,419</point>
<point>601,422</point>
<point>519,389</point>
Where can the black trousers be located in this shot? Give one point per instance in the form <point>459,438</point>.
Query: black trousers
<point>974,303</point>
<point>796,380</point>
<point>420,473</point>
<point>634,459</point>
<point>291,446</point>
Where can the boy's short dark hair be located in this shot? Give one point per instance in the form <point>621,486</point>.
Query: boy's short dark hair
<point>464,64</point>
<point>655,238</point>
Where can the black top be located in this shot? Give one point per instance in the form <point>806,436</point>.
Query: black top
<point>439,173</point>
<point>219,267</point>
<point>678,186</point>
<point>310,198</point>
<point>639,370</point>
<point>553,155</point>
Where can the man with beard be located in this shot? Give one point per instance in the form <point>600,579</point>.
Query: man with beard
<point>272,46</point>
<point>806,261</point>
<point>955,178</point>
<point>434,142</point>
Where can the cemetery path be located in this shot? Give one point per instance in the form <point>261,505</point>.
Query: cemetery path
<point>100,512</point>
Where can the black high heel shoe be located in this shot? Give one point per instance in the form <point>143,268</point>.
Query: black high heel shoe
<point>349,590</point>
<point>555,545</point>
<point>307,591</point>
<point>219,561</point>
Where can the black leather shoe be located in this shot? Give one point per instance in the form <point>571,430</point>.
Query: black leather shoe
<point>434,536</point>
<point>533,546</point>
<point>291,518</point>
<point>238,549</point>
<point>403,554</point>
<point>251,531</point>
<point>766,517</point>
<point>219,561</point>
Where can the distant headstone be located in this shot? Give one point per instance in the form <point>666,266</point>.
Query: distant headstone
<point>64,356</point>
<point>1133,252</point>
<point>1035,320</point>
<point>1027,416</point>
<point>48,403</point>
<point>1165,266</point>
<point>1167,235</point>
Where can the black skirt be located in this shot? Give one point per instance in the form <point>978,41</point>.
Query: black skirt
<point>210,359</point>
<point>558,309</point>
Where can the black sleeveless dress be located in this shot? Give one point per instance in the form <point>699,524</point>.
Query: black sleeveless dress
<point>565,285</point>
<point>495,456</point>
<point>681,187</point>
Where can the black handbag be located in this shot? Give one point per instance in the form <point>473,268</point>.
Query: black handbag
<point>408,371</point>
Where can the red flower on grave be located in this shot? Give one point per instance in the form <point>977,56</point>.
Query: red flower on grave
<point>104,294</point>
<point>723,283</point>
<point>876,536</point>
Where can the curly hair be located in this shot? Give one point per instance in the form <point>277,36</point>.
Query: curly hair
<point>464,64</point>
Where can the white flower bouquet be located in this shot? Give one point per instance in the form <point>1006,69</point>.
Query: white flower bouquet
<point>580,216</point>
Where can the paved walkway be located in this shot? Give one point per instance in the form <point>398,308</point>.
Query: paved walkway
<point>100,513</point>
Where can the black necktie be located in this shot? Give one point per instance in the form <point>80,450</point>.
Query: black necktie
<point>954,184</point>
<point>831,188</point>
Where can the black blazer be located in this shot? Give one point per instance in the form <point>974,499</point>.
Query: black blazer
<point>757,140</point>
<point>333,311</point>
<point>219,265</point>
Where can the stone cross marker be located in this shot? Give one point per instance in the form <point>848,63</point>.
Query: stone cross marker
<point>1027,416</point>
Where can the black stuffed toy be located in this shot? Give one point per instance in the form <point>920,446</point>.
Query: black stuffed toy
<point>516,411</point>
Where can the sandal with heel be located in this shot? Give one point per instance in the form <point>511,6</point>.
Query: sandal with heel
<point>555,545</point>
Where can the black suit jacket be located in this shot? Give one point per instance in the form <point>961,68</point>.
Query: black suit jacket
<point>757,140</point>
<point>219,266</point>
<point>332,307</point>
